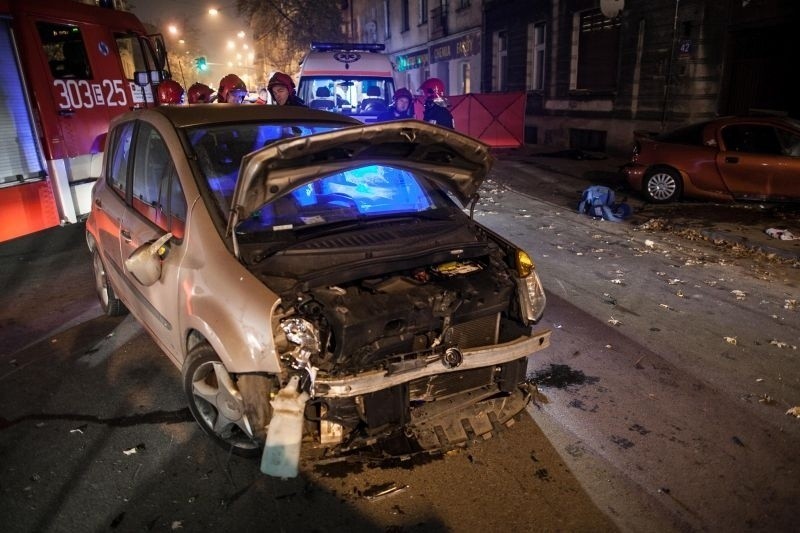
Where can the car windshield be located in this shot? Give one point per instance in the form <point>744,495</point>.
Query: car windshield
<point>350,96</point>
<point>219,150</point>
<point>355,195</point>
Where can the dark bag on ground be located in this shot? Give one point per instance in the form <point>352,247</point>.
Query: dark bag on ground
<point>598,201</point>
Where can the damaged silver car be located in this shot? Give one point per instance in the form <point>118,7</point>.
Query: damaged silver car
<point>320,283</point>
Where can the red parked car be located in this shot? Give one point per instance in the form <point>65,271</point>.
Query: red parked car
<point>730,158</point>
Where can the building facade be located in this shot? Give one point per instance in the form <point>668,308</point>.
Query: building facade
<point>426,38</point>
<point>597,70</point>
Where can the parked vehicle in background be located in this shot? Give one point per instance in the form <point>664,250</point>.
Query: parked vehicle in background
<point>281,255</point>
<point>730,158</point>
<point>353,79</point>
<point>67,69</point>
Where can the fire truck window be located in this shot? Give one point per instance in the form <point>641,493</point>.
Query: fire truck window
<point>130,53</point>
<point>150,167</point>
<point>120,152</point>
<point>65,51</point>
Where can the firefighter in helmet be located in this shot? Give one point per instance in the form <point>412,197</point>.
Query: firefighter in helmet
<point>436,111</point>
<point>401,107</point>
<point>170,92</point>
<point>282,89</point>
<point>232,90</point>
<point>199,93</point>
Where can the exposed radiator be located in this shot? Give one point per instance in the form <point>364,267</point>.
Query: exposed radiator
<point>482,331</point>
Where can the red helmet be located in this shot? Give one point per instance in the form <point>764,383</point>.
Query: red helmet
<point>199,93</point>
<point>279,78</point>
<point>432,88</point>
<point>402,92</point>
<point>231,85</point>
<point>170,92</point>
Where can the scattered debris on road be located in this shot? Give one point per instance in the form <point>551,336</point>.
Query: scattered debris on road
<point>382,491</point>
<point>782,234</point>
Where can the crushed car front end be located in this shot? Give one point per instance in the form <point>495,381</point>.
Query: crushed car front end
<point>399,315</point>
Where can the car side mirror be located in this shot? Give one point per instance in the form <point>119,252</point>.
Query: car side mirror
<point>145,262</point>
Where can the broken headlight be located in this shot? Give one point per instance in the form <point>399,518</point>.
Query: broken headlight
<point>305,335</point>
<point>532,299</point>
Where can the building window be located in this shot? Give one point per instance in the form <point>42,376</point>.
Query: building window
<point>465,78</point>
<point>500,61</point>
<point>598,51</point>
<point>404,15</point>
<point>536,55</point>
<point>423,12</point>
<point>387,18</point>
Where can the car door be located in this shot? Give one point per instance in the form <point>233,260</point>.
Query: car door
<point>110,201</point>
<point>753,164</point>
<point>157,206</point>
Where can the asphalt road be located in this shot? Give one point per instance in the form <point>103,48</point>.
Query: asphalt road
<point>649,417</point>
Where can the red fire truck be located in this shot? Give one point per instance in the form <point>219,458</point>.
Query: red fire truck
<point>66,69</point>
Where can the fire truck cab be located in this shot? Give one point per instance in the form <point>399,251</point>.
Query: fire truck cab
<point>66,69</point>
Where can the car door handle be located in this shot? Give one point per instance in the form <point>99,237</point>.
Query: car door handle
<point>731,159</point>
<point>125,235</point>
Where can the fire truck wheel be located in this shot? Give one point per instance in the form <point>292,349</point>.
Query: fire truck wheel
<point>111,305</point>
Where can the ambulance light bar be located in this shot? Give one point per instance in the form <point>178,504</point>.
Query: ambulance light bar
<point>361,47</point>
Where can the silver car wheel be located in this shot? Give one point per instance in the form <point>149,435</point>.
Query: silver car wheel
<point>100,281</point>
<point>111,305</point>
<point>662,185</point>
<point>220,406</point>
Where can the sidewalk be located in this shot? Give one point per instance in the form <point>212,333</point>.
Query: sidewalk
<point>738,224</point>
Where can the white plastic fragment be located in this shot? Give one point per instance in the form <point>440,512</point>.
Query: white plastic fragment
<point>794,411</point>
<point>616,281</point>
<point>782,234</point>
<point>177,524</point>
<point>649,243</point>
<point>614,322</point>
<point>129,451</point>
<point>781,344</point>
<point>740,295</point>
<point>731,340</point>
<point>790,305</point>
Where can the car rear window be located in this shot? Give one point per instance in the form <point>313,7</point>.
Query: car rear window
<point>219,150</point>
<point>692,135</point>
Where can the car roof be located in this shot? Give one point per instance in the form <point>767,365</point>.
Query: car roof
<point>200,114</point>
<point>757,119</point>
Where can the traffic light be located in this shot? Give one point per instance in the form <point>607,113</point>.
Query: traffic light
<point>201,64</point>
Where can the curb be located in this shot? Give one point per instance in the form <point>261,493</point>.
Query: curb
<point>715,235</point>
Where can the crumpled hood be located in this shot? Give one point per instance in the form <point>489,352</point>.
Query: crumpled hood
<point>456,161</point>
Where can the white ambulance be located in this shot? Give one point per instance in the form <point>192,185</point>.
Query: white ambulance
<point>354,79</point>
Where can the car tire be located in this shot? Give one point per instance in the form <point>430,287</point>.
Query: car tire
<point>111,305</point>
<point>216,402</point>
<point>662,185</point>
